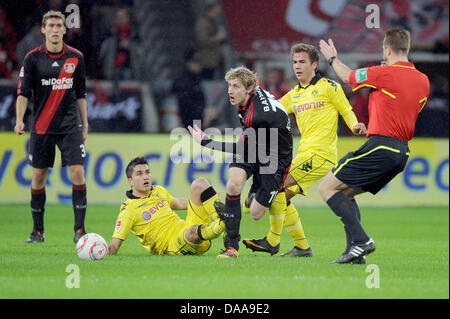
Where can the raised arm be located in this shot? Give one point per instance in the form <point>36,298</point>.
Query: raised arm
<point>329,51</point>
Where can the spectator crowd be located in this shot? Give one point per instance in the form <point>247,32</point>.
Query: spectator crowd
<point>109,39</point>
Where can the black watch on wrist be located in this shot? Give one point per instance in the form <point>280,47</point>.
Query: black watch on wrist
<point>330,60</point>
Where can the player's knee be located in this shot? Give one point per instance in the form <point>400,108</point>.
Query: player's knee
<point>77,174</point>
<point>325,191</point>
<point>197,188</point>
<point>199,185</point>
<point>38,179</point>
<point>234,187</point>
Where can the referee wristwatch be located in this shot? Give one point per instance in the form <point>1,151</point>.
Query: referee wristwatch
<point>330,60</point>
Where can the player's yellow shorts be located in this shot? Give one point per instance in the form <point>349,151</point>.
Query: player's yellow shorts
<point>307,168</point>
<point>179,245</point>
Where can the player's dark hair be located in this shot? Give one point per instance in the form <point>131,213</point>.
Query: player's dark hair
<point>313,53</point>
<point>133,163</point>
<point>398,40</point>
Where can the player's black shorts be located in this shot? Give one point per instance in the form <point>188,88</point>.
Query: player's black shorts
<point>41,152</point>
<point>374,164</point>
<point>266,186</point>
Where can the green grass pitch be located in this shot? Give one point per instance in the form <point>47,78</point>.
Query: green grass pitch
<point>411,260</point>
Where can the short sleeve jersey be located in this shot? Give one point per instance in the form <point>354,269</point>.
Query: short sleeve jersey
<point>399,92</point>
<point>150,218</point>
<point>316,108</point>
<point>54,81</point>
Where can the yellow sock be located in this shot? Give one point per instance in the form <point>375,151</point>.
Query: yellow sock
<point>212,230</point>
<point>276,214</point>
<point>294,227</point>
<point>209,206</point>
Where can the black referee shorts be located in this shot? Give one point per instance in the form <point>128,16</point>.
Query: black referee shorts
<point>266,186</point>
<point>374,164</point>
<point>42,149</point>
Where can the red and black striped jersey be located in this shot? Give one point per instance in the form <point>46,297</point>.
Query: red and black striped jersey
<point>54,82</point>
<point>261,113</point>
<point>266,131</point>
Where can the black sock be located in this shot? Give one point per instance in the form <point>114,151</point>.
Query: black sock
<point>207,194</point>
<point>344,208</point>
<point>38,208</point>
<point>79,205</point>
<point>347,233</point>
<point>232,216</point>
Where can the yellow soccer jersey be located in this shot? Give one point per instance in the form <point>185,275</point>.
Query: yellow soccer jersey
<point>316,108</point>
<point>150,218</point>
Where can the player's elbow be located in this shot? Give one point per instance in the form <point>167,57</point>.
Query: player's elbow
<point>257,212</point>
<point>344,78</point>
<point>256,216</point>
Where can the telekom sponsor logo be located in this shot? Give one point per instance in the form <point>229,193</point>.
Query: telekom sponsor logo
<point>308,106</point>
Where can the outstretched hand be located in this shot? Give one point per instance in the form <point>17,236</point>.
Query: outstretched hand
<point>197,133</point>
<point>328,49</point>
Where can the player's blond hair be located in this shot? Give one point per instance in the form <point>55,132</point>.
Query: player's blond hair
<point>398,40</point>
<point>53,14</point>
<point>247,77</point>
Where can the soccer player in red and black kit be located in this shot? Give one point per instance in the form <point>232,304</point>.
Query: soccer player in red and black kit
<point>53,76</point>
<point>264,151</point>
<point>399,92</point>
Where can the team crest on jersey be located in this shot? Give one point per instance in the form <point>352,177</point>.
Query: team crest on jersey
<point>69,67</point>
<point>146,216</point>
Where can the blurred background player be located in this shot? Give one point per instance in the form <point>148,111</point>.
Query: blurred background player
<point>188,90</point>
<point>148,213</point>
<point>255,156</point>
<point>316,103</point>
<point>399,92</point>
<point>54,75</point>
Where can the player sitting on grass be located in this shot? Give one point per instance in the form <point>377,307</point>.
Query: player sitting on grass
<point>148,213</point>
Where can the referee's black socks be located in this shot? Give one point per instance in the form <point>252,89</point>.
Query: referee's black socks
<point>233,216</point>
<point>38,208</point>
<point>348,211</point>
<point>347,232</point>
<point>79,203</point>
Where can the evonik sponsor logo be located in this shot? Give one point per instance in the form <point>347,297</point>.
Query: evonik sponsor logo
<point>308,106</point>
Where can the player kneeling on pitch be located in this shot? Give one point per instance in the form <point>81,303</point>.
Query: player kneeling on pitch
<point>148,213</point>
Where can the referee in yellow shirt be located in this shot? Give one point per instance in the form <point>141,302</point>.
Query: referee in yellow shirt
<point>316,103</point>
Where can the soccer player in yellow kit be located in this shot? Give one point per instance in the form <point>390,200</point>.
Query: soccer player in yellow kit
<point>148,213</point>
<point>316,103</point>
